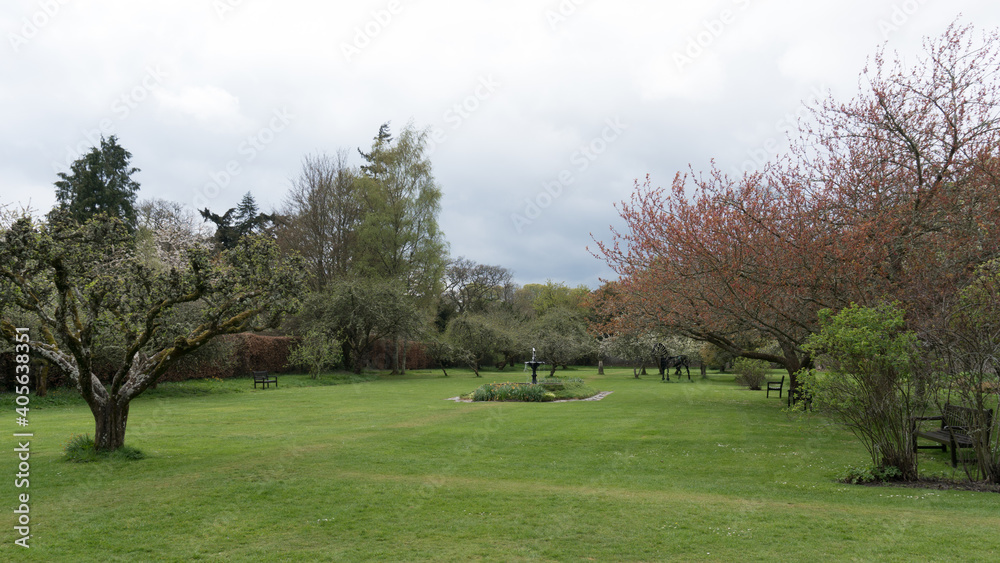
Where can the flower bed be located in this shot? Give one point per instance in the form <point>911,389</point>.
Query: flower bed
<point>526,392</point>
<point>512,392</point>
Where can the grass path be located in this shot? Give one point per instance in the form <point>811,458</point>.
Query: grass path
<point>392,471</point>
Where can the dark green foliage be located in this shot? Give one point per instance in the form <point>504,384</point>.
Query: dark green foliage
<point>81,449</point>
<point>358,312</point>
<point>100,182</point>
<point>376,157</point>
<point>238,222</point>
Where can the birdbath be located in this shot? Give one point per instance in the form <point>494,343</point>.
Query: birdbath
<point>534,367</point>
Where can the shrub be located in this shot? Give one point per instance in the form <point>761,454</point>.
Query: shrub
<point>870,387</point>
<point>512,392</point>
<point>750,373</point>
<point>315,352</point>
<point>866,475</point>
<point>234,355</point>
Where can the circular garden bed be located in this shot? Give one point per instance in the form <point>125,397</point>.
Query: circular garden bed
<point>547,390</point>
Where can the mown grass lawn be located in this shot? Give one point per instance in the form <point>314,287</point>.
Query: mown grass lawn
<point>389,470</point>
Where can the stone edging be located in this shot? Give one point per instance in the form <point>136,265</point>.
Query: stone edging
<point>596,397</point>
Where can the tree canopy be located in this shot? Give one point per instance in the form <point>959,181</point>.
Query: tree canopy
<point>238,222</point>
<point>100,182</point>
<point>90,292</point>
<point>890,196</point>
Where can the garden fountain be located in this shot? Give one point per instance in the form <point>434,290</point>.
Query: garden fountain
<point>534,367</point>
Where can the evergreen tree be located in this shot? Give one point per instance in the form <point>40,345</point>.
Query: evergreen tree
<point>238,222</point>
<point>100,182</point>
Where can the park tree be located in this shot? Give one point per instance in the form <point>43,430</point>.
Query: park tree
<point>544,297</point>
<point>964,364</point>
<point>240,221</point>
<point>475,338</point>
<point>316,352</point>
<point>100,182</point>
<point>83,282</point>
<point>166,229</point>
<point>560,337</point>
<point>889,196</point>
<point>514,335</point>
<point>439,349</point>
<point>321,215</point>
<point>398,238</point>
<point>358,312</point>
<point>473,287</point>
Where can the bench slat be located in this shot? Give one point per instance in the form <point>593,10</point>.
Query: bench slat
<point>264,380</point>
<point>953,432</point>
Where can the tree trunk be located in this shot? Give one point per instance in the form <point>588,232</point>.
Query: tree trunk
<point>109,430</point>
<point>406,349</point>
<point>552,372</point>
<point>42,385</point>
<point>600,367</point>
<point>704,371</point>
<point>345,349</point>
<point>395,356</point>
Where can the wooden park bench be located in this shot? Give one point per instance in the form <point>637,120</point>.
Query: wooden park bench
<point>264,379</point>
<point>775,386</point>
<point>954,431</point>
<point>799,394</point>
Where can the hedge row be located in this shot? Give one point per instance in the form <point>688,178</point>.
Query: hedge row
<point>234,355</point>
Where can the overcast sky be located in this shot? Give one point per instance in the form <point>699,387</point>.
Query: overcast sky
<point>542,113</point>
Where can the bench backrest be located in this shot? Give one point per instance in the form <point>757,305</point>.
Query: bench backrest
<point>259,374</point>
<point>964,418</point>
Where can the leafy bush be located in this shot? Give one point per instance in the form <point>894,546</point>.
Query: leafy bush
<point>549,389</point>
<point>315,352</point>
<point>870,386</point>
<point>865,475</point>
<point>512,392</point>
<point>750,373</point>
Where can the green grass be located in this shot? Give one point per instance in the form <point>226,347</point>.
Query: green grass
<point>389,470</point>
